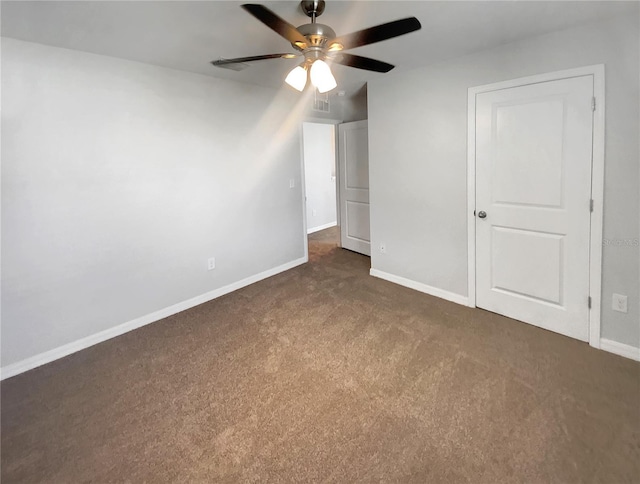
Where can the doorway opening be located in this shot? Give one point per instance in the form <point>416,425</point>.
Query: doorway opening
<point>319,155</point>
<point>336,184</point>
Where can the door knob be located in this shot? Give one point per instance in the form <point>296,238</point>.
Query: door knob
<point>482,214</point>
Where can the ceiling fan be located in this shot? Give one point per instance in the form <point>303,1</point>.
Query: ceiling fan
<point>319,45</point>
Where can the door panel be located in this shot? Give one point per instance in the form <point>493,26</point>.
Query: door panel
<point>528,158</point>
<point>533,180</point>
<point>353,162</point>
<point>512,273</point>
<point>358,215</point>
<point>357,156</point>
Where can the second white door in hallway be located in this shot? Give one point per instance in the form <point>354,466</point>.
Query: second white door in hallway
<point>353,162</point>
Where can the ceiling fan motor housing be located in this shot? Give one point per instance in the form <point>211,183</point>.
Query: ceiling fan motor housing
<point>316,34</point>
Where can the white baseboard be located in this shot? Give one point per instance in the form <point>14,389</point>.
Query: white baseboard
<point>321,227</point>
<point>75,346</point>
<point>418,286</point>
<point>615,347</point>
<point>620,349</point>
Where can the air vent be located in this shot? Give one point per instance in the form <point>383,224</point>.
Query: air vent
<point>321,102</point>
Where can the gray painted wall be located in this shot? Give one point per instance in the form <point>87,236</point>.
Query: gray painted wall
<point>120,180</point>
<point>346,108</point>
<point>418,159</point>
<point>354,107</point>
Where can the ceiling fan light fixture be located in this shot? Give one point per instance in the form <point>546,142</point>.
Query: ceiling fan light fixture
<point>318,42</point>
<point>321,76</point>
<point>297,78</point>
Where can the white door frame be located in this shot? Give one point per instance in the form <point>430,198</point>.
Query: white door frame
<point>597,183</point>
<point>335,123</point>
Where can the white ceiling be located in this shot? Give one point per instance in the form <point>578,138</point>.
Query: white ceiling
<point>187,35</point>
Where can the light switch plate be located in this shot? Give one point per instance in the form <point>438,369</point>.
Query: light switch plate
<point>619,303</point>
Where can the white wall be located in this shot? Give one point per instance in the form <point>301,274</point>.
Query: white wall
<point>320,174</point>
<point>418,149</point>
<point>346,108</point>
<point>354,108</point>
<point>120,179</point>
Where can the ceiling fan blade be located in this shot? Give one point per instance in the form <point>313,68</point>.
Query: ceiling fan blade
<point>241,60</point>
<point>279,25</point>
<point>360,62</point>
<point>377,34</point>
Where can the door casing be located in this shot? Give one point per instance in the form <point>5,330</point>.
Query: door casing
<point>597,183</point>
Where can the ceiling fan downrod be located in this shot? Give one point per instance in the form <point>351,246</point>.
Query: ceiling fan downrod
<point>312,8</point>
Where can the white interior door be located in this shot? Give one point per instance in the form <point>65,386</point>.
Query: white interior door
<point>533,182</point>
<point>353,161</point>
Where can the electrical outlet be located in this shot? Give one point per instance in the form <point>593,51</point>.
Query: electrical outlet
<point>383,248</point>
<point>619,303</point>
<point>211,264</point>
<point>313,212</point>
<point>292,183</point>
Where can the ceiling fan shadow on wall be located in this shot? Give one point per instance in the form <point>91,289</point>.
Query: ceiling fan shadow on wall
<point>319,46</point>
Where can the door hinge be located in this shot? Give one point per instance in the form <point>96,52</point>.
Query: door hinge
<point>589,302</point>
<point>591,205</point>
<point>593,103</point>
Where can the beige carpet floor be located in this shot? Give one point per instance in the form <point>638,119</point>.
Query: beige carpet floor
<point>325,374</point>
